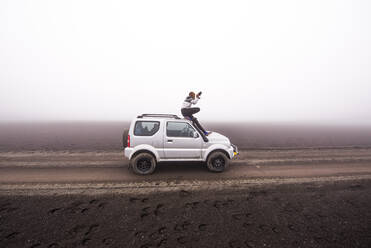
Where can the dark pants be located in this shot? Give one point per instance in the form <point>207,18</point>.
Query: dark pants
<point>188,112</point>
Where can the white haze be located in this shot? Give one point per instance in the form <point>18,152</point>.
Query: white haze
<point>253,60</point>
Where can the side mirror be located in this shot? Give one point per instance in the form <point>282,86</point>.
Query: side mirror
<point>195,135</point>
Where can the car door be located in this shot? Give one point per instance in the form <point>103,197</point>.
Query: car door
<point>182,141</point>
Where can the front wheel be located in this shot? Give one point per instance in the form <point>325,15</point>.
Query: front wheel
<point>143,164</point>
<point>217,162</point>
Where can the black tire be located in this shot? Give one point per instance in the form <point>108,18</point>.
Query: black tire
<point>217,161</point>
<point>125,138</point>
<point>143,163</point>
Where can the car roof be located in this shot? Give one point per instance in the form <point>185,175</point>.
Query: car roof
<point>160,117</point>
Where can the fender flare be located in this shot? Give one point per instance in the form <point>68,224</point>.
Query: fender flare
<point>145,148</point>
<point>215,147</point>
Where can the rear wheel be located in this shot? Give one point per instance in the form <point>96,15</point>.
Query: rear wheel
<point>217,161</point>
<point>143,164</point>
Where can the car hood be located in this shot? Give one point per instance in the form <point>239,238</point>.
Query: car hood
<point>215,137</point>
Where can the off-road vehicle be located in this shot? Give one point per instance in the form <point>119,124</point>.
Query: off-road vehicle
<point>154,138</point>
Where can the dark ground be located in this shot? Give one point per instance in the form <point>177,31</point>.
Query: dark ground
<point>331,214</point>
<point>82,136</point>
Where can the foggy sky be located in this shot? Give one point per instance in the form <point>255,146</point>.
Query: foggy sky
<point>253,60</point>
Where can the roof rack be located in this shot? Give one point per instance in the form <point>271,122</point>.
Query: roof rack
<point>159,115</point>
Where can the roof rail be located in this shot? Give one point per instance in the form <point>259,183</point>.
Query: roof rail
<point>159,115</point>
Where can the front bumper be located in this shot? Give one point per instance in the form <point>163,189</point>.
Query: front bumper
<point>235,150</point>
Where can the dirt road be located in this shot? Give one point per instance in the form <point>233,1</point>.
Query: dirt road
<point>177,172</point>
<point>98,166</point>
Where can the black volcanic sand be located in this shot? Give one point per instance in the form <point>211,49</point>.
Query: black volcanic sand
<point>108,135</point>
<point>333,214</point>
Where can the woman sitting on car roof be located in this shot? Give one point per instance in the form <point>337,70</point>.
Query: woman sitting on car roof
<point>188,110</point>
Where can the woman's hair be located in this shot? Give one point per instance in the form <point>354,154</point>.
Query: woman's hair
<point>192,94</point>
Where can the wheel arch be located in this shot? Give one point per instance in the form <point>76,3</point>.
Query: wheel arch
<point>147,149</point>
<point>217,150</point>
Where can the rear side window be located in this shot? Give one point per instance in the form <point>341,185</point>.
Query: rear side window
<point>146,128</point>
<point>179,129</point>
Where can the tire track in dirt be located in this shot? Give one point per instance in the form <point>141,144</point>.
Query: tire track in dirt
<point>184,187</point>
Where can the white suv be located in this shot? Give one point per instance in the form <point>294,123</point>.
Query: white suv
<point>155,138</point>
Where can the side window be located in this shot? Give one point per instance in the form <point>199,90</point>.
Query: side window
<point>146,128</point>
<point>179,129</point>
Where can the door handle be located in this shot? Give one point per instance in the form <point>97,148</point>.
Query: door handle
<point>169,140</point>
